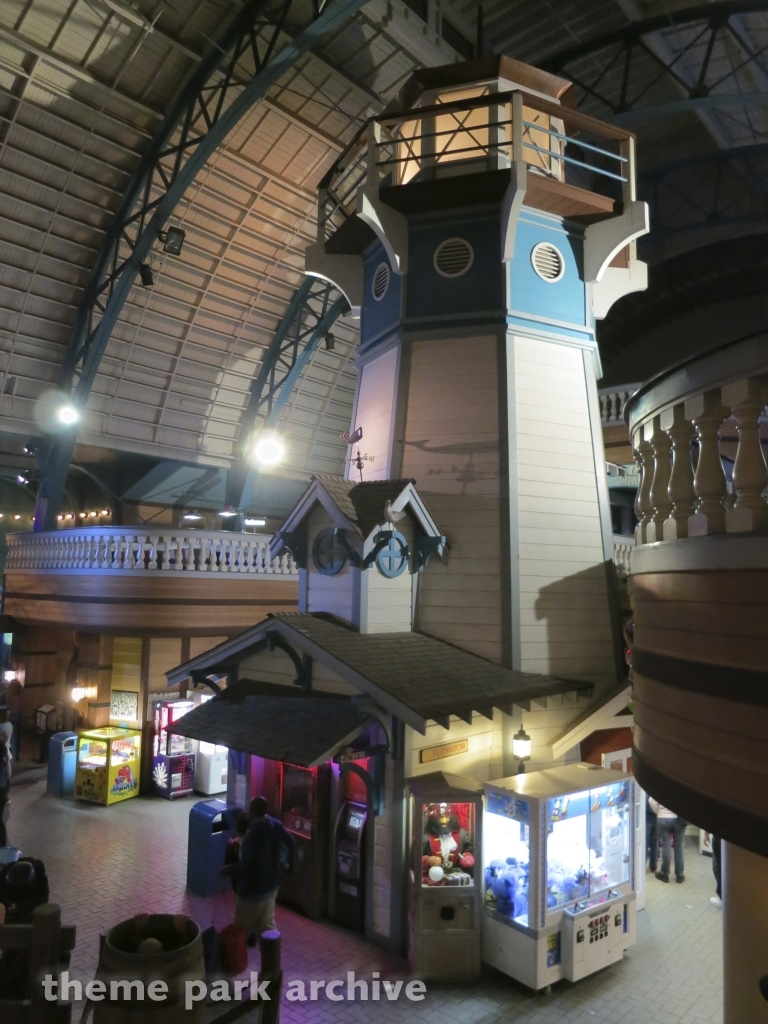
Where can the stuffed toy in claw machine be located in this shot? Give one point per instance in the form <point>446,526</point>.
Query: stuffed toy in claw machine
<point>447,857</point>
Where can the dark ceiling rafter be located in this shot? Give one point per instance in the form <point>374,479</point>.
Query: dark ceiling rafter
<point>314,309</point>
<point>209,106</point>
<point>698,194</point>
<point>609,87</point>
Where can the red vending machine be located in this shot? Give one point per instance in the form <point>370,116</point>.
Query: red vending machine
<point>173,761</point>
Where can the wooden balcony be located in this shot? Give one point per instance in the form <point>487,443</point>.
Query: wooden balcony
<point>699,591</point>
<point>161,582</point>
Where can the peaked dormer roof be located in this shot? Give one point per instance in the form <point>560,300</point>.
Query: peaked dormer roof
<point>357,507</point>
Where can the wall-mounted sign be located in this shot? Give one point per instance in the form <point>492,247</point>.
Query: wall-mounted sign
<point>125,705</point>
<point>444,750</point>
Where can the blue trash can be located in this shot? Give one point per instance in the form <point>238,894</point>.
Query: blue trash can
<point>62,763</point>
<point>211,825</point>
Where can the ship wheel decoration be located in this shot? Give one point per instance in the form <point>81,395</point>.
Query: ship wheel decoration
<point>391,553</point>
<point>329,553</point>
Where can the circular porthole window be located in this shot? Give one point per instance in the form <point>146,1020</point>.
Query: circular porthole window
<point>380,281</point>
<point>453,257</point>
<point>548,262</point>
<point>328,552</point>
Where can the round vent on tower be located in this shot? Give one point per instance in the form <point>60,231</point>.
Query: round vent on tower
<point>380,281</point>
<point>454,257</point>
<point>548,262</point>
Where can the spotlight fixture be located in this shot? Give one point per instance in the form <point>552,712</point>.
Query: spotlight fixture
<point>269,450</point>
<point>192,516</point>
<point>92,515</point>
<point>69,515</point>
<point>21,479</point>
<point>105,512</point>
<point>172,240</point>
<point>330,342</point>
<point>147,277</point>
<point>68,414</point>
<point>1,515</point>
<point>30,449</point>
<point>17,516</point>
<point>228,512</point>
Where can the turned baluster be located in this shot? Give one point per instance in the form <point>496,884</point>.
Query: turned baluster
<point>643,505</point>
<point>662,506</point>
<point>746,400</point>
<point>681,492</point>
<point>706,413</point>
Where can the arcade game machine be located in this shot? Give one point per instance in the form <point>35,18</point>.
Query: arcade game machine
<point>348,866</point>
<point>559,873</point>
<point>445,903</point>
<point>108,765</point>
<point>173,760</point>
<point>304,810</point>
<point>211,768</point>
<point>211,762</point>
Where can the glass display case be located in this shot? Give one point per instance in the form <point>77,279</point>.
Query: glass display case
<point>507,850</point>
<point>173,760</point>
<point>445,890</point>
<point>559,844</point>
<point>108,765</point>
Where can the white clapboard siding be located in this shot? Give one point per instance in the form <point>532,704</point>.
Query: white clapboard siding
<point>332,594</point>
<point>276,667</point>
<point>387,604</point>
<point>460,599</point>
<point>451,450</point>
<point>565,626</point>
<point>373,412</point>
<point>482,761</point>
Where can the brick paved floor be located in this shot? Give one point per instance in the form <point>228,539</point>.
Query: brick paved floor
<point>107,864</point>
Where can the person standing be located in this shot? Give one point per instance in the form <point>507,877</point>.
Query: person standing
<point>671,830</point>
<point>13,692</point>
<point>717,869</point>
<point>5,782</point>
<point>651,836</point>
<point>266,847</point>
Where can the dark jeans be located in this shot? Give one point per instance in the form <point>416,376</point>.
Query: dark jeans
<point>652,841</point>
<point>3,802</point>
<point>717,865</point>
<point>669,827</point>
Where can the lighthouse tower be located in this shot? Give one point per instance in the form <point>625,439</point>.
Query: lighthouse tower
<point>481,226</point>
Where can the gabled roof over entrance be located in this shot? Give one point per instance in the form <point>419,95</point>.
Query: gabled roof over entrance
<point>356,507</point>
<point>414,676</point>
<point>304,731</point>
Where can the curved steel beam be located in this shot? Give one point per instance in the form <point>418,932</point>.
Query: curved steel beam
<point>209,106</point>
<point>631,43</point>
<point>315,307</point>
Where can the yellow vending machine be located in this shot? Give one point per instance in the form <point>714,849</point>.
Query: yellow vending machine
<point>108,765</point>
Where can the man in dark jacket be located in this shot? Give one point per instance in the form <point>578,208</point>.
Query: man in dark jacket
<point>266,847</point>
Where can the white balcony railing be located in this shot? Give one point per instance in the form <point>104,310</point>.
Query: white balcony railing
<point>622,552</point>
<point>118,548</point>
<point>612,402</point>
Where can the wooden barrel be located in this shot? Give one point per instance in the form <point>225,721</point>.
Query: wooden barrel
<point>181,962</point>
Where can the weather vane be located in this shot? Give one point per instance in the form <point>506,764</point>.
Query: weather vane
<point>357,459</point>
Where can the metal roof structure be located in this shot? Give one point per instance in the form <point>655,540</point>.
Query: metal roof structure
<point>85,85</point>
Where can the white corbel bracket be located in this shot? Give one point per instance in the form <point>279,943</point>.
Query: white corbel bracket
<point>602,241</point>
<point>343,271</point>
<point>391,227</point>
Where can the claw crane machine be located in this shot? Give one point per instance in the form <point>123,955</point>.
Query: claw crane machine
<point>445,882</point>
<point>558,873</point>
<point>173,761</point>
<point>108,763</point>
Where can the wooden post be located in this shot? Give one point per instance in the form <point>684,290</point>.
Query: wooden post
<point>147,728</point>
<point>44,959</point>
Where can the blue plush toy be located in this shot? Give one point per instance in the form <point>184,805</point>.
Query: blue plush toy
<point>508,883</point>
